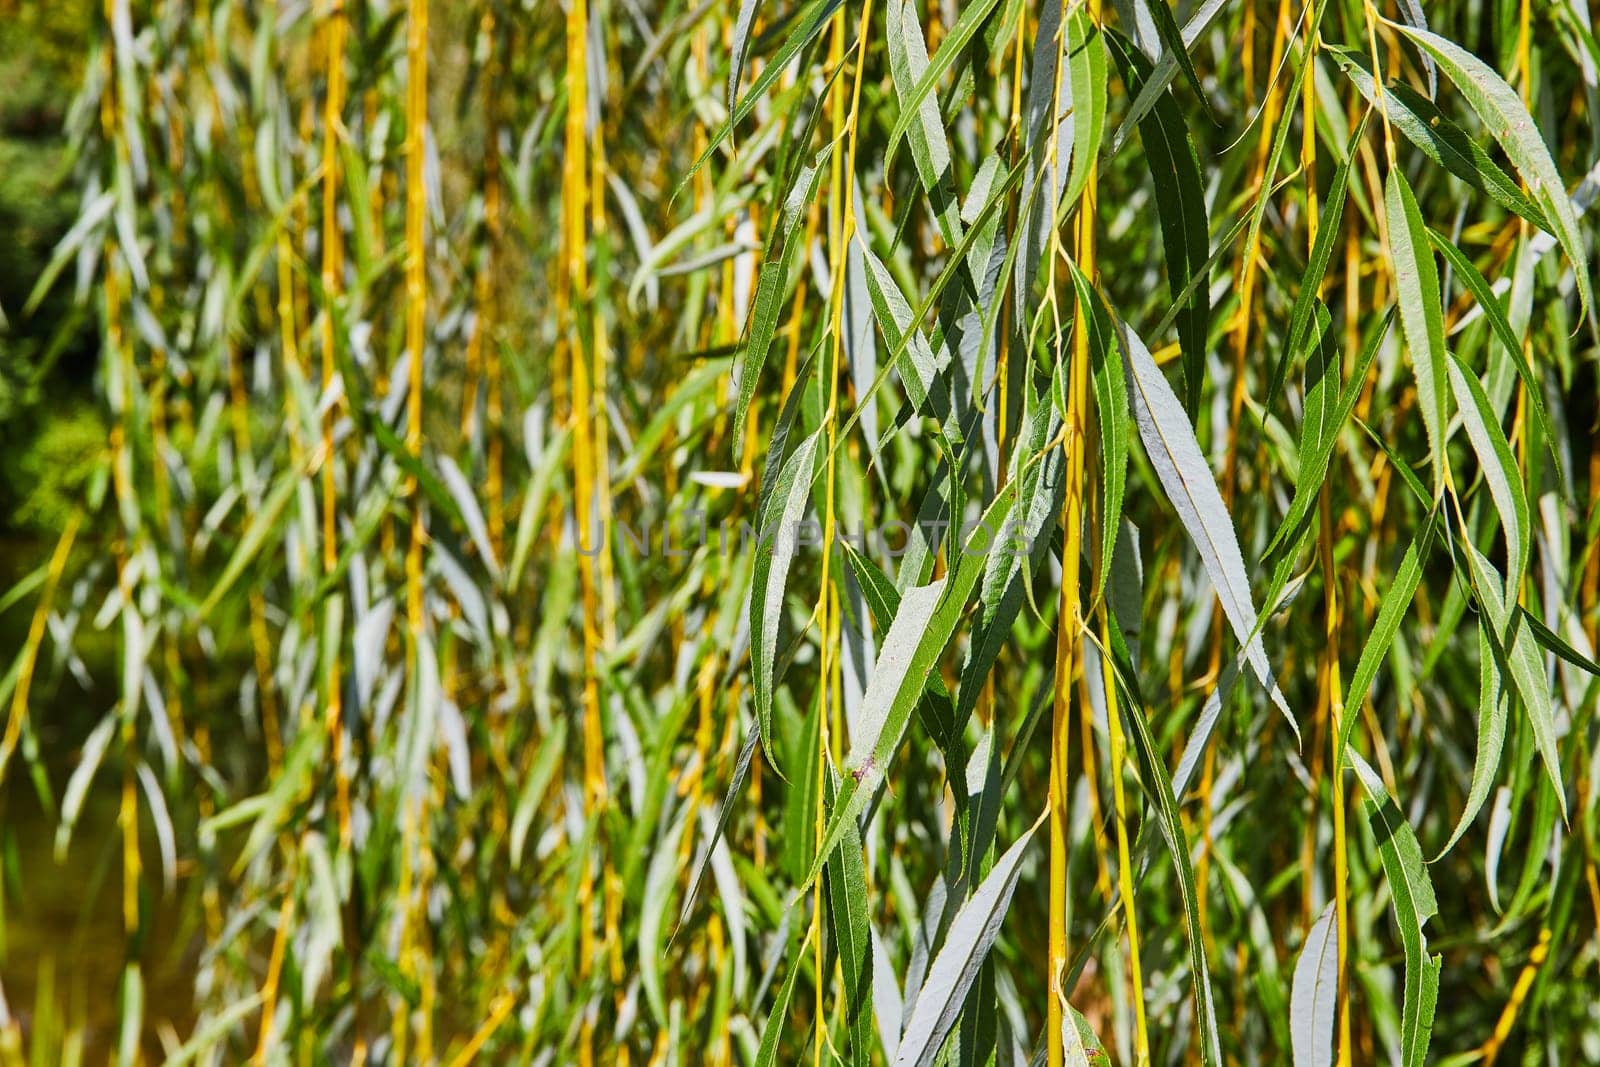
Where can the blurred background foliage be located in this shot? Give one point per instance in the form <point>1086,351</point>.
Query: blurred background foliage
<point>50,424</point>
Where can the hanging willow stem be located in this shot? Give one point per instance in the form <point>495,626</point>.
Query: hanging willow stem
<point>1332,696</point>
<point>828,608</point>
<point>586,414</point>
<point>332,279</point>
<point>1075,440</point>
<point>416,339</point>
<point>1118,756</point>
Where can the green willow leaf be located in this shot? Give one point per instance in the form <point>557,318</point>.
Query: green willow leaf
<point>1318,440</point>
<point>1483,293</point>
<point>1080,1045</point>
<point>1159,784</point>
<point>950,51</point>
<point>1493,711</point>
<point>778,520</point>
<point>1314,993</point>
<point>772,1032</point>
<point>1086,67</point>
<point>809,22</point>
<point>1498,464</point>
<point>922,629</point>
<point>254,541</point>
<point>910,351</point>
<point>1501,110</point>
<point>1006,573</point>
<point>1328,232</point>
<point>1412,897</point>
<point>930,150</point>
<point>1111,408</point>
<point>782,250</point>
<point>846,879</point>
<point>1421,314</point>
<point>1172,38</point>
<point>533,789</point>
<point>739,49</point>
<point>937,709</point>
<point>1440,138</point>
<point>1181,210</point>
<point>1391,612</point>
<point>966,946</point>
<point>1186,477</point>
<point>1516,642</point>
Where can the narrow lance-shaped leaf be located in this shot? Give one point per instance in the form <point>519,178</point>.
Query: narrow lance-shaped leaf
<point>777,534</point>
<point>1411,895</point>
<point>1048,140</point>
<point>262,524</point>
<point>1086,67</point>
<point>808,24</point>
<point>774,279</point>
<point>1412,12</point>
<point>913,357</point>
<point>887,1005</point>
<point>1421,315</point>
<point>966,945</point>
<point>1317,446</point>
<point>1111,408</point>
<point>1501,110</point>
<point>772,1032</point>
<point>1172,38</point>
<point>1484,294</point>
<point>1498,464</point>
<point>1154,770</point>
<point>1328,232</point>
<point>1523,659</point>
<point>1441,139</point>
<point>1181,209</point>
<point>1396,602</point>
<point>930,150</point>
<point>1167,68</point>
<point>1170,443</point>
<point>77,791</point>
<point>467,502</point>
<point>1007,568</point>
<point>937,710</point>
<point>739,48</point>
<point>1493,711</point>
<point>1080,1045</point>
<point>852,939</point>
<point>1315,993</point>
<point>971,20</point>
<point>910,652</point>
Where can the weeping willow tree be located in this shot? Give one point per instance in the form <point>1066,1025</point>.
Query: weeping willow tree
<point>806,532</point>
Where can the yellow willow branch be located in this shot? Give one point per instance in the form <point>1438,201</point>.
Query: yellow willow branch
<point>1118,756</point>
<point>1074,442</point>
<point>269,986</point>
<point>1067,621</point>
<point>575,191</point>
<point>827,611</point>
<point>332,280</point>
<point>416,290</point>
<point>1332,689</point>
